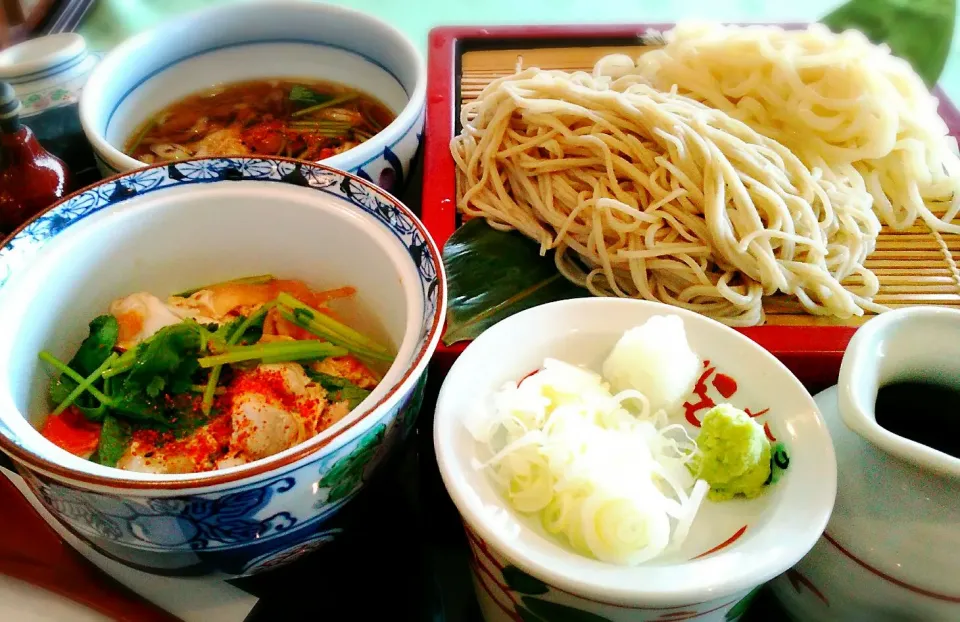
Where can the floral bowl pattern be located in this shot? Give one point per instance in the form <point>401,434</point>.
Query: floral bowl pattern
<point>521,572</point>
<point>261,40</point>
<point>246,519</point>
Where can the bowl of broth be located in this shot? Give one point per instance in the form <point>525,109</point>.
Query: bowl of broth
<point>215,356</point>
<point>286,79</point>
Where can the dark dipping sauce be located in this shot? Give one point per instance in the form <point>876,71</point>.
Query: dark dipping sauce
<point>923,412</point>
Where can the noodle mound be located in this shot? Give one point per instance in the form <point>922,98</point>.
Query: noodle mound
<point>654,195</point>
<point>835,100</point>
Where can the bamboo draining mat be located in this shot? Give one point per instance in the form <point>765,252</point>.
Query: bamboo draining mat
<point>915,266</point>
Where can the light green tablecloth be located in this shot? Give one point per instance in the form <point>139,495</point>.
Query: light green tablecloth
<point>111,21</point>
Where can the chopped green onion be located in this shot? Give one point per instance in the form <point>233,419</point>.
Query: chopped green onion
<point>277,351</point>
<point>63,368</point>
<point>321,331</point>
<point>331,102</point>
<point>259,279</point>
<point>337,328</point>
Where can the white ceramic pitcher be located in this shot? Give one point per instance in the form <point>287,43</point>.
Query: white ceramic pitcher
<point>891,550</point>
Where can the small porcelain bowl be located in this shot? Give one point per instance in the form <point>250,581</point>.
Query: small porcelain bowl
<point>171,227</point>
<point>47,72</point>
<point>521,572</point>
<point>250,40</point>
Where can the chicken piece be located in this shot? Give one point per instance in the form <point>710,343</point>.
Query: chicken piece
<point>335,412</point>
<point>230,461</point>
<point>135,459</point>
<point>192,454</point>
<point>262,428</point>
<point>225,142</point>
<point>350,368</point>
<point>276,407</point>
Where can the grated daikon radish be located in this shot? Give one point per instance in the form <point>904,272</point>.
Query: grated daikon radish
<point>656,360</point>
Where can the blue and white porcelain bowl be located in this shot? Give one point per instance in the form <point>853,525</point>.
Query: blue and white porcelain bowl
<point>251,40</point>
<point>167,228</point>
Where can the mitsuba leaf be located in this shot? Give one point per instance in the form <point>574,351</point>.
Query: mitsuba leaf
<point>166,362</point>
<point>339,389</point>
<point>493,274</point>
<point>99,344</point>
<point>137,406</point>
<point>919,31</point>
<point>353,395</point>
<point>114,438</point>
<point>93,351</point>
<point>225,330</point>
<point>307,96</point>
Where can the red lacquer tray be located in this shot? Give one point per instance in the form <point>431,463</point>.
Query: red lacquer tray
<point>813,353</point>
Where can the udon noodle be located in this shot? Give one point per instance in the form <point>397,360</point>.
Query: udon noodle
<point>834,99</point>
<point>651,194</point>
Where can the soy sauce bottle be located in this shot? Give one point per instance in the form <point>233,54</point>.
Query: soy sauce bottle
<point>31,178</point>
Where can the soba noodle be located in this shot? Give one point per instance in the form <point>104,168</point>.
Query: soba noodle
<point>835,100</point>
<point>654,195</point>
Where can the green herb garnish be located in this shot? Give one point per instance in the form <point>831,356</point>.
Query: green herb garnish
<point>166,361</point>
<point>114,438</point>
<point>307,96</point>
<point>274,352</point>
<point>339,99</point>
<point>339,389</point>
<point>90,356</point>
<point>326,327</point>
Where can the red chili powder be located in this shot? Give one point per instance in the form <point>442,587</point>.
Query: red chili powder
<point>213,441</point>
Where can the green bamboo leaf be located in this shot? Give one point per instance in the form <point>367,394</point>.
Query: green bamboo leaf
<point>919,31</point>
<point>519,581</point>
<point>493,274</point>
<point>555,612</point>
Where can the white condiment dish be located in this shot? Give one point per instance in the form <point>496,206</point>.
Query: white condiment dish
<point>734,546</point>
